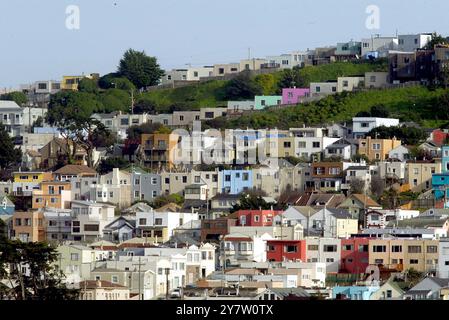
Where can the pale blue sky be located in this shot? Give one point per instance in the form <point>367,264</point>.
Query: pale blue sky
<point>35,44</point>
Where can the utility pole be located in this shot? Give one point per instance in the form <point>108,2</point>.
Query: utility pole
<point>132,101</point>
<point>139,265</point>
<point>167,284</point>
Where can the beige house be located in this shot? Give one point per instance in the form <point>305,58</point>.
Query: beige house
<point>102,290</point>
<point>350,83</point>
<point>404,254</point>
<point>252,64</point>
<point>376,79</point>
<point>419,174</point>
<point>388,291</point>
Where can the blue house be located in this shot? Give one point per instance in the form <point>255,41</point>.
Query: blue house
<point>7,207</point>
<point>440,181</point>
<point>354,292</point>
<point>236,181</point>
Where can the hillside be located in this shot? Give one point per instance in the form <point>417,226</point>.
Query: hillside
<point>426,107</point>
<point>213,93</point>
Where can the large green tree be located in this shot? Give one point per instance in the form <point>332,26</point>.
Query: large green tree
<point>43,281</point>
<point>9,155</point>
<point>71,113</point>
<point>141,69</point>
<point>18,97</point>
<point>242,87</point>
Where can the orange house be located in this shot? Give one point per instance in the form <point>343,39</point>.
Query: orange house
<point>52,194</point>
<point>28,226</point>
<point>159,149</point>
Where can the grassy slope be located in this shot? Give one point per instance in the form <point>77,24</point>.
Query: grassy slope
<point>212,93</point>
<point>408,104</point>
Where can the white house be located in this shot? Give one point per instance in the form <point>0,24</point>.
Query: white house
<point>240,106</point>
<point>160,225</point>
<point>114,187</point>
<point>188,74</point>
<point>443,258</point>
<point>90,219</point>
<point>325,250</point>
<point>401,153</point>
<point>236,247</point>
<point>380,45</point>
<point>305,147</point>
<point>11,116</point>
<point>412,42</point>
<point>362,125</point>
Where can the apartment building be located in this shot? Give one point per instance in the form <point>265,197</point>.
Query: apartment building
<point>158,149</point>
<point>377,149</point>
<point>28,226</point>
<point>404,254</point>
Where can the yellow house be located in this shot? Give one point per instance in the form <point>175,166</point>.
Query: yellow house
<point>346,227</point>
<point>404,254</point>
<point>286,147</point>
<point>71,82</point>
<point>25,182</point>
<point>377,149</point>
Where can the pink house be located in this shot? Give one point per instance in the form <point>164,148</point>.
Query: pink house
<point>294,95</point>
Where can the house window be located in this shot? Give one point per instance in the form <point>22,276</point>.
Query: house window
<point>256,218</point>
<point>158,221</point>
<point>315,144</point>
<point>414,249</point>
<point>348,247</point>
<point>379,248</point>
<point>330,248</point>
<point>312,247</point>
<point>114,279</point>
<point>414,261</point>
<point>432,249</point>
<point>378,261</point>
<point>74,256</point>
<point>396,249</point>
<point>291,248</point>
<point>245,176</point>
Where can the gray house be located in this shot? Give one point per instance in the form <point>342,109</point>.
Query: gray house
<point>145,186</point>
<point>428,289</point>
<point>121,229</point>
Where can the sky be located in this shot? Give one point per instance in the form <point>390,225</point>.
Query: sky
<point>35,43</point>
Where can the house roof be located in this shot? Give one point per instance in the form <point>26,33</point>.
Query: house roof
<point>33,153</point>
<point>326,199</point>
<point>96,284</point>
<point>7,104</point>
<point>339,213</point>
<point>138,207</point>
<point>170,207</point>
<point>306,211</point>
<point>369,202</point>
<point>5,198</point>
<point>418,223</point>
<point>285,292</point>
<point>73,169</point>
<point>102,243</point>
<point>226,196</point>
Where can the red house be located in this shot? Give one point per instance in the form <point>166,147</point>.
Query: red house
<point>439,137</point>
<point>256,218</point>
<point>282,250</point>
<point>354,255</point>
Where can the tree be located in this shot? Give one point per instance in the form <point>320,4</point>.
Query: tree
<point>436,40</point>
<point>380,111</point>
<point>88,85</point>
<point>71,113</point>
<point>134,132</point>
<point>139,68</point>
<point>107,165</point>
<point>166,199</point>
<point>43,282</point>
<point>9,155</point>
<point>252,201</point>
<point>242,87</point>
<point>18,97</point>
<point>357,185</point>
<point>289,78</point>
<point>408,135</point>
<point>377,186</point>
